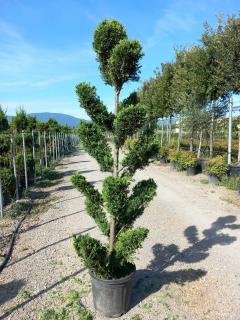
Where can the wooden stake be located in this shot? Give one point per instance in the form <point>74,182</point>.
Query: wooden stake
<point>25,161</point>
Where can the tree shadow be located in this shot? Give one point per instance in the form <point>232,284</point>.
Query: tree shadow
<point>65,188</point>
<point>69,172</point>
<point>86,171</point>
<point>67,164</point>
<point>10,290</point>
<point>67,199</point>
<point>49,221</point>
<point>151,280</point>
<point>36,194</point>
<point>40,293</point>
<point>46,247</point>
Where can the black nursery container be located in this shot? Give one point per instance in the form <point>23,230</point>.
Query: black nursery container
<point>163,160</point>
<point>191,171</point>
<point>234,170</point>
<point>112,297</point>
<point>213,180</point>
<point>173,165</point>
<point>201,165</point>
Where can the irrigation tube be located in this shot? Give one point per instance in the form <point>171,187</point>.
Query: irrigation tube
<point>13,239</point>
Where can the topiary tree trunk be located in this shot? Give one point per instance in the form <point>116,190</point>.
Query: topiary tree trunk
<point>118,206</point>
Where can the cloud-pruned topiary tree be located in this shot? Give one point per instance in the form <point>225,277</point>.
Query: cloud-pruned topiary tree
<point>119,205</point>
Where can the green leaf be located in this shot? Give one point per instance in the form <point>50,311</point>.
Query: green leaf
<point>93,254</point>
<point>129,241</point>
<point>140,154</point>
<point>106,36</point>
<point>115,192</point>
<point>94,107</point>
<point>95,143</point>
<point>93,202</point>
<point>128,121</point>
<point>143,192</point>
<point>123,64</point>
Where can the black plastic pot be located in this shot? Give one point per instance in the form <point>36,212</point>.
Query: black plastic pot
<point>201,165</point>
<point>173,165</point>
<point>234,170</point>
<point>213,180</point>
<point>163,160</point>
<point>238,188</point>
<point>112,297</point>
<point>191,171</point>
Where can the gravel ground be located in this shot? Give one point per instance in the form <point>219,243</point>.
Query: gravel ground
<point>188,267</point>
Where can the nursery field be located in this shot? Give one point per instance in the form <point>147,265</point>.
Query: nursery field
<point>188,267</point>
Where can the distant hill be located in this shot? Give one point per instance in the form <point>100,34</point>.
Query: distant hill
<point>63,119</point>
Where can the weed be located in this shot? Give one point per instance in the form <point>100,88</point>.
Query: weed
<point>170,317</point>
<point>230,182</point>
<point>24,294</point>
<point>135,317</point>
<point>51,314</point>
<point>147,306</point>
<point>73,309</point>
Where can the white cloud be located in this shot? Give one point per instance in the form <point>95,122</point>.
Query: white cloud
<point>180,16</point>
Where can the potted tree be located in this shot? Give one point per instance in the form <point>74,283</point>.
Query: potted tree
<point>216,168</point>
<point>188,161</point>
<point>163,154</point>
<point>173,155</point>
<point>110,263</point>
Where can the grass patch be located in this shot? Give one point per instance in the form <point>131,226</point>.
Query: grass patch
<point>49,178</point>
<point>24,294</point>
<point>73,309</point>
<point>52,174</point>
<point>231,183</point>
<point>18,208</point>
<point>136,317</point>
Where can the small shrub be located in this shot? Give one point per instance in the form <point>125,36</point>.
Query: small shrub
<point>187,159</point>
<point>51,174</point>
<point>8,184</point>
<point>175,157</point>
<point>163,152</point>
<point>20,167</point>
<point>216,167</point>
<point>4,144</point>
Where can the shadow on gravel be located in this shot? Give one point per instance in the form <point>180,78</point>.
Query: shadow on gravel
<point>69,172</point>
<point>86,171</point>
<point>67,199</point>
<point>49,221</point>
<point>10,290</point>
<point>155,276</point>
<point>65,188</point>
<point>38,294</point>
<point>46,247</point>
<point>68,163</point>
<point>39,194</point>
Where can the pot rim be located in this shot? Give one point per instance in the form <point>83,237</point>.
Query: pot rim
<point>114,281</point>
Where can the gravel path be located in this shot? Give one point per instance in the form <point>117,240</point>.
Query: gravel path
<point>189,267</point>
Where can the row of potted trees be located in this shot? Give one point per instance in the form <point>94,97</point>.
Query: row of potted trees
<point>215,168</point>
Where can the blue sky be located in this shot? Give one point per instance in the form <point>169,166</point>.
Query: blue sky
<point>46,46</point>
